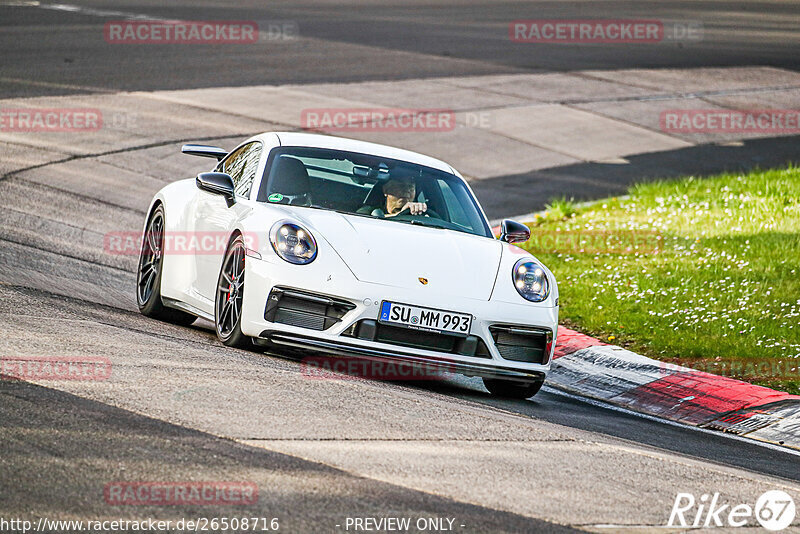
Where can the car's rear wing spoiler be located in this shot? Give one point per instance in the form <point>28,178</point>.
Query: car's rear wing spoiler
<point>205,151</point>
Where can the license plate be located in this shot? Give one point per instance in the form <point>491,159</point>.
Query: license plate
<point>427,319</point>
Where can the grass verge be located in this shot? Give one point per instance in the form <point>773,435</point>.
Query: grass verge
<point>701,272</point>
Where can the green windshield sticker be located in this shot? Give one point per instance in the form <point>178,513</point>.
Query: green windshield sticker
<point>275,197</point>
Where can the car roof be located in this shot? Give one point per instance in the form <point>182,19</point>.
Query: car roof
<point>362,147</point>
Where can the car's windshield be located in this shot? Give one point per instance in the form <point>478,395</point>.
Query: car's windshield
<point>371,186</point>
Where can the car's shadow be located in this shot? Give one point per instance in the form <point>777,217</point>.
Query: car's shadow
<point>451,385</point>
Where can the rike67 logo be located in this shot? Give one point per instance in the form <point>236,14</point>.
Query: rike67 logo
<point>774,510</point>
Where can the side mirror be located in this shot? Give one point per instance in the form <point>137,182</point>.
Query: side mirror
<point>204,151</point>
<point>217,183</point>
<point>514,232</point>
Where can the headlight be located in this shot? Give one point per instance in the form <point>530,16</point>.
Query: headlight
<point>293,243</point>
<point>530,280</point>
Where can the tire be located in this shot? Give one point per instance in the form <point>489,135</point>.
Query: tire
<point>148,274</point>
<point>512,390</point>
<point>230,297</point>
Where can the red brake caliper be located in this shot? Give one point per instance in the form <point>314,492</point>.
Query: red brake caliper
<point>233,280</point>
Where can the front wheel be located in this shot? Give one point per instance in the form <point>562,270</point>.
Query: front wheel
<point>513,390</point>
<point>230,297</point>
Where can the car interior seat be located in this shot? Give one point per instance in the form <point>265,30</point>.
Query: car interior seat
<point>290,179</point>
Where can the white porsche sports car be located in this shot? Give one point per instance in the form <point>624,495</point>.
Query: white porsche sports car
<point>350,248</point>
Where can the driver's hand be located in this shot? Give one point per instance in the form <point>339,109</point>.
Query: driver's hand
<point>416,208</point>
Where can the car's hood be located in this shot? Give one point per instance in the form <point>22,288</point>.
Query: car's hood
<point>396,254</point>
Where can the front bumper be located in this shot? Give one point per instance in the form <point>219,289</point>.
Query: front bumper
<point>434,363</point>
<point>339,283</point>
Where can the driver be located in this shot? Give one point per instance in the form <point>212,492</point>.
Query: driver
<point>400,194</point>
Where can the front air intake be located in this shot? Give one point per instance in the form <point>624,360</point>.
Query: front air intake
<point>372,330</point>
<point>522,344</point>
<point>305,310</point>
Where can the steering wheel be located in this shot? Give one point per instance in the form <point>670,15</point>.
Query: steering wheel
<point>428,213</point>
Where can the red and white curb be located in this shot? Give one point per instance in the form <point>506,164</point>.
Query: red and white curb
<point>588,367</point>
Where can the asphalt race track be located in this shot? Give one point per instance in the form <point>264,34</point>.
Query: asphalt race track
<point>180,406</point>
<point>363,40</point>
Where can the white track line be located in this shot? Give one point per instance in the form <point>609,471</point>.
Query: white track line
<point>94,12</point>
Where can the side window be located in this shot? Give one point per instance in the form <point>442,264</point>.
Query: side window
<point>242,165</point>
<point>233,163</point>
<point>249,166</point>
